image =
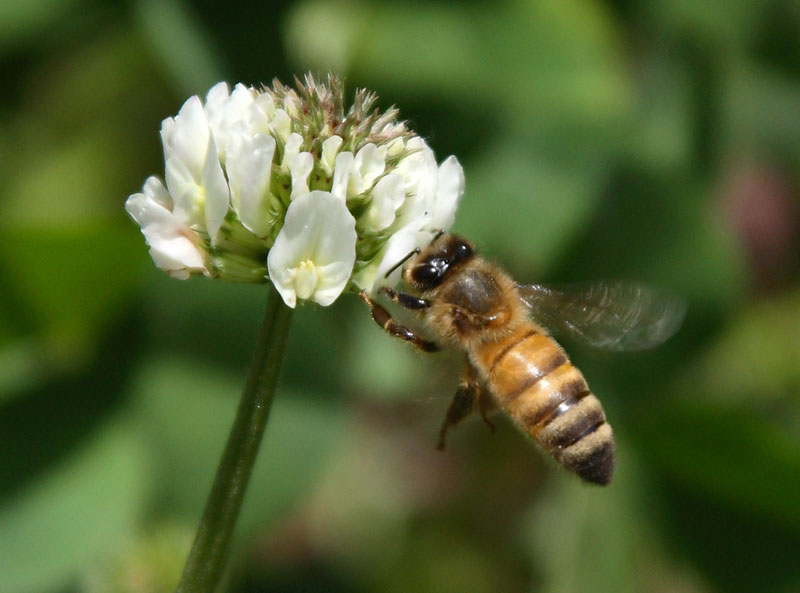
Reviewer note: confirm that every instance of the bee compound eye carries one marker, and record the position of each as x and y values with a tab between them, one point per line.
426	274
463	251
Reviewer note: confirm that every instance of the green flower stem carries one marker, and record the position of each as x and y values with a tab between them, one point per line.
209	552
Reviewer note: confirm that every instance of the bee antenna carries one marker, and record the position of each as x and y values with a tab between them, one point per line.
402	261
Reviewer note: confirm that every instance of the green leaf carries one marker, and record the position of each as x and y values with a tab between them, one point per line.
761	110
186	410
384	368
69	255
652	229
660	132
729	454
725	23
64	286
528	204
21	20
182	44
72	514
586	538
560	59
755	359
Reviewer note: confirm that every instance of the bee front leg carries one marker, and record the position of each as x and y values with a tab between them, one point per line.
393	327
409	301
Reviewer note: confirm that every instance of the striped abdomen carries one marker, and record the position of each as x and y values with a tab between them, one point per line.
548	398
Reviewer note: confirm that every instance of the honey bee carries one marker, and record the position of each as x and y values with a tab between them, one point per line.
512	362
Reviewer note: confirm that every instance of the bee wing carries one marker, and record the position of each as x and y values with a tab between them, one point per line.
612	315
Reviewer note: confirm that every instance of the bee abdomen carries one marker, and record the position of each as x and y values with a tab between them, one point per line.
570	423
593	457
549	399
581	439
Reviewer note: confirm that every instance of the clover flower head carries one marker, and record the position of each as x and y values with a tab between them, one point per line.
285	185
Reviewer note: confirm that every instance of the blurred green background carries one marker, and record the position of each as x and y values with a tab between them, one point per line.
657	140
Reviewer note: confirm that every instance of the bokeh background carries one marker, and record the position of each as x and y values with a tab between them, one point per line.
649	139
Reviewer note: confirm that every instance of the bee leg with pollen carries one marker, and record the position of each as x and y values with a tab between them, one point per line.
391	326
470	394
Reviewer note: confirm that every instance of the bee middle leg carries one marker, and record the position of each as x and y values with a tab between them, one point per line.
471	394
393	327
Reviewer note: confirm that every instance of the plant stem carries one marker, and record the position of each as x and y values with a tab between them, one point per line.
209	552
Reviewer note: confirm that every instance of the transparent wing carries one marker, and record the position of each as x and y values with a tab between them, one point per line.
612	315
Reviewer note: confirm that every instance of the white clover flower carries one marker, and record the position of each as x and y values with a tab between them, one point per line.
286	185
313	256
249	168
173	245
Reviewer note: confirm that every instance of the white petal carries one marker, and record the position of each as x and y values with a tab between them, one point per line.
333	278
290	104
306	279
257	120
370	165
387	195
249	166
450	188
230	113
179	274
216	98
167	132
217	95
330	148
171	242
290	151
146	211
300	167
241	99
395	147
154	189
282	276
186	193
281	124
420	172
265	107
318	230
400	244
216	189
337	241
176	255
342	169
186	136
398	247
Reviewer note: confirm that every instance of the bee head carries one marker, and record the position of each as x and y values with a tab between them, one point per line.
432	265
